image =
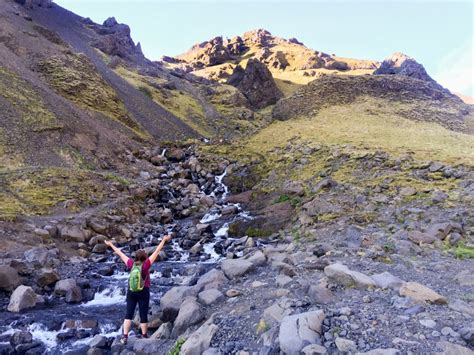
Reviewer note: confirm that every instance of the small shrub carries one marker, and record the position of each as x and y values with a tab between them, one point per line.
146	91
175	350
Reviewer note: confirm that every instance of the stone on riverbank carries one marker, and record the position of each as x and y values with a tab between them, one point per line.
421	293
9	278
341	274
22	298
299	330
234	268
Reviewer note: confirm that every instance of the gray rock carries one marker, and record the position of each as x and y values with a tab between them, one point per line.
172	300
234	268
163	332
64	286
420	237
148	346
299	330
9	278
341	274
200	340
277	311
320	294
214	277
74	295
73	233
428	323
210	296
387	280
283	280
345	345
21	337
47	277
314	349
190	313
99	341
22	298
257	259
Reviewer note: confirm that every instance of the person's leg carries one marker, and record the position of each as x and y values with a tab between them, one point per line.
131	305
143	305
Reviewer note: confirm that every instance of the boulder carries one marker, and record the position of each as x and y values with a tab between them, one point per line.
99	248
345	345
73	234
210	296
74	295
147	346
257	258
190	313
64	286
277	311
46	277
214	277
256	83
387	280
234	268
40	256
9	278
22	298
320	294
200	340
421	293
299	330
172	300
420	237
341	274
21	337
99	341
163	332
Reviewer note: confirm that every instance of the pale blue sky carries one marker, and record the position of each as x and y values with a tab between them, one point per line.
437	34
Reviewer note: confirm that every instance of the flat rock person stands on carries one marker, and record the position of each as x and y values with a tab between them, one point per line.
138	285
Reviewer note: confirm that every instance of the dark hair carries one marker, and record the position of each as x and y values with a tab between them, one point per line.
141	256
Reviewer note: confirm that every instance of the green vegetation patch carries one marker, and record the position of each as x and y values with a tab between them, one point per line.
27	102
38	192
178	102
175	350
75	77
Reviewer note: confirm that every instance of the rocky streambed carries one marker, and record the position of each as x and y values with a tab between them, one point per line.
350	290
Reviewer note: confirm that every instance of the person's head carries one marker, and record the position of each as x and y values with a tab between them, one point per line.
140	256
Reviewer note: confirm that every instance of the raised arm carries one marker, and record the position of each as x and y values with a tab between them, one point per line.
117	251
158	249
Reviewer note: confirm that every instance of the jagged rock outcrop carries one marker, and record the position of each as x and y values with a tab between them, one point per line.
401	64
115	39
256	83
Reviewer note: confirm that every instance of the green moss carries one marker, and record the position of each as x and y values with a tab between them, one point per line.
77	159
75	77
176	349
38	192
180	103
281	198
121	180
27	102
257	232
462	251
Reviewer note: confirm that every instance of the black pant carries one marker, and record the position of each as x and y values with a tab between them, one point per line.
143	299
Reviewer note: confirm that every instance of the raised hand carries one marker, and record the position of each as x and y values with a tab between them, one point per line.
108	243
167	238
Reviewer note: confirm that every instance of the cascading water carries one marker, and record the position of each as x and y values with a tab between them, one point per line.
106	304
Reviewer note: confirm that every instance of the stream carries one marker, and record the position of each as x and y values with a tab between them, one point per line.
102	312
